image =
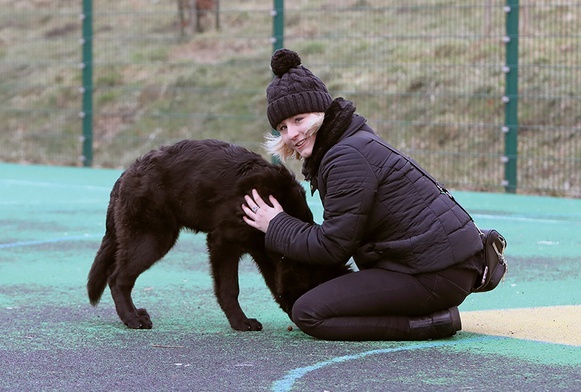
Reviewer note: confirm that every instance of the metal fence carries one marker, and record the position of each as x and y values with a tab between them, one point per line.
483	93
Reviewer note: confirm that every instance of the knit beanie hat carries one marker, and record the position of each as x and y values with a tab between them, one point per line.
294	89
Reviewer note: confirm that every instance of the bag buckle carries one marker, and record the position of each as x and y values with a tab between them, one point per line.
484	276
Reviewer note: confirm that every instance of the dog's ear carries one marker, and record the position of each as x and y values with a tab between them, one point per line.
246	168
291	195
259	177
280	182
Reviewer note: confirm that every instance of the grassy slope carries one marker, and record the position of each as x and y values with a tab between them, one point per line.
428	78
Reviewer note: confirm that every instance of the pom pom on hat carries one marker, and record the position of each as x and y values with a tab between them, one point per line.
283	60
294	89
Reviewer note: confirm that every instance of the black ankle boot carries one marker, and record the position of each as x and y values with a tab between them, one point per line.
437	325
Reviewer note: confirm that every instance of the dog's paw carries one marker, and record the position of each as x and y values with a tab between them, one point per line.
254	325
248	325
142	321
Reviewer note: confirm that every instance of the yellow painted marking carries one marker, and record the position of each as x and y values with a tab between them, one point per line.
555	324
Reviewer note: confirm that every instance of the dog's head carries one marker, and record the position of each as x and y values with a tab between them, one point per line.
293	197
293	279
278	181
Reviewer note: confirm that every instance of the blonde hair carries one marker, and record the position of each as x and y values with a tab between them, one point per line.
276	146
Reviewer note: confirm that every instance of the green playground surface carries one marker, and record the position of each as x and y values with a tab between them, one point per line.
523	336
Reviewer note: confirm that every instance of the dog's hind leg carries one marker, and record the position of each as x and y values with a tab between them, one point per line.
134	257
224	259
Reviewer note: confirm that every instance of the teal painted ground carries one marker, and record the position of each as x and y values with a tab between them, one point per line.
51	223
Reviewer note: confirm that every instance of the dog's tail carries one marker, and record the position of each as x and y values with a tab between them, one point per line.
105	258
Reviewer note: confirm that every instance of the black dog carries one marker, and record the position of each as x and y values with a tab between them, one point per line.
199	185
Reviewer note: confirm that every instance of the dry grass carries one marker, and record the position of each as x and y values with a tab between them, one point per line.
426	74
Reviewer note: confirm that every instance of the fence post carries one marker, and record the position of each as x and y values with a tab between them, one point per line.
277	41
87	78
510	98
278	25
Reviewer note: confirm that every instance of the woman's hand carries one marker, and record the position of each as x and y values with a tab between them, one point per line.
258	212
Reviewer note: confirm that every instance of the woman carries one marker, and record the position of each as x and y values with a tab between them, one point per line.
418	252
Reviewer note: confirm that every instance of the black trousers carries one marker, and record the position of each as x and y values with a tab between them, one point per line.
376	304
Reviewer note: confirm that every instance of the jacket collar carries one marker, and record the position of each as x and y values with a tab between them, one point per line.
340	121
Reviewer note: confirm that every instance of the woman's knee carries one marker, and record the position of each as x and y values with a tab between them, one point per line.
304	315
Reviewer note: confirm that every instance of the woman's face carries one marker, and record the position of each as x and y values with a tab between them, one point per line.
297	132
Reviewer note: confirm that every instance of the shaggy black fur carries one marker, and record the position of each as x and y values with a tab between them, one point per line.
199	185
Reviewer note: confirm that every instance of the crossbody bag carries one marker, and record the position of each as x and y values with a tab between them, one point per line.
494	243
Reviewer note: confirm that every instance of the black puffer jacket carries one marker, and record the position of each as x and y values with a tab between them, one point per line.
378	208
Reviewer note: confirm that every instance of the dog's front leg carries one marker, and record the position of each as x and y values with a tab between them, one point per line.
224	259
